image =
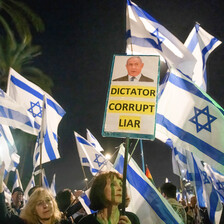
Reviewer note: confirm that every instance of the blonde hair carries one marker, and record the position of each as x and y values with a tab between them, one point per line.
28	213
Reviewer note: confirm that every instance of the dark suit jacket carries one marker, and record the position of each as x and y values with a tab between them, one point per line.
142	79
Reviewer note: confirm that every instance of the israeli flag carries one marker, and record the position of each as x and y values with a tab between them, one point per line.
84	200
15	115
146	201
45	183
31	97
93	141
201	180
30	185
8	151
217	180
147	36
200	43
52	187
17	181
8	194
90	157
191	119
207	196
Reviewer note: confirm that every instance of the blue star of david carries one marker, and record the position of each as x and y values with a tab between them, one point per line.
159	38
2	93
38	108
96	160
195	120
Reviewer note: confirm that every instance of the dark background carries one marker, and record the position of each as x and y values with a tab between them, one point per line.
77	49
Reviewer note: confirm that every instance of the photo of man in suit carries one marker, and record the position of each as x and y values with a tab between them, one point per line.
134	67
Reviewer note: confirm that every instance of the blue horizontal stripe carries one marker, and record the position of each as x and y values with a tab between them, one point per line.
197	181
147	192
17	116
191	88
94	170
185	136
181	157
207	48
83	141
144	42
48	147
85	160
140	12
193	43
35	93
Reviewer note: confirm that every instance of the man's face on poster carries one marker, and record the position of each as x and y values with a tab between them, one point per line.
134	66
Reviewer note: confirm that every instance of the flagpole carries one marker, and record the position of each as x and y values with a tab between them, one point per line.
127	145
84	174
142	154
42	137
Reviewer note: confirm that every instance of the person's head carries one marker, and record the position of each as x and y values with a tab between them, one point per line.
41	206
168	190
134	66
32	190
106	190
193	201
17	196
64	199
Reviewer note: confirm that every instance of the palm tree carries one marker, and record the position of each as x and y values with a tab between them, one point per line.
19	56
22	18
17	51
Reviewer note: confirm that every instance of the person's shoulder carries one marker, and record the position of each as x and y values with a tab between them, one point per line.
144	78
133	217
88	219
123	78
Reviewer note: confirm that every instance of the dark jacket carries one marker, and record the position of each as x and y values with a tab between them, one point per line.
142	79
93	220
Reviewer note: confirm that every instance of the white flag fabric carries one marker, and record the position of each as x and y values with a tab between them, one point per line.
30	185
191	119
48	146
30	96
89	156
8	151
217	179
93	141
8	194
52	187
147	36
207	196
17	181
15	115
146	201
45	183
200	43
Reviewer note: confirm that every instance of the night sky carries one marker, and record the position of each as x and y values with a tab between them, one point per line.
77	49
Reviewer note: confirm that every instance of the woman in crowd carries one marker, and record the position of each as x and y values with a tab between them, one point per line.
41	207
105	198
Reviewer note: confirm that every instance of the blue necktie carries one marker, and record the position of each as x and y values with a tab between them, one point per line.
132	78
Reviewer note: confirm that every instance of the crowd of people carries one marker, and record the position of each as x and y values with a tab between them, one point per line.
43	208
105	199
